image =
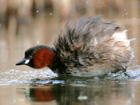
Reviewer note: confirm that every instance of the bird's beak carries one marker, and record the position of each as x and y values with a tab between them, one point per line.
24	61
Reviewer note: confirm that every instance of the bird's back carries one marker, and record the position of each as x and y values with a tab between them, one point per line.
91	45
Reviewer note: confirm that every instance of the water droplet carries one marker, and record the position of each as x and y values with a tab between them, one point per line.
134	18
50	13
126	13
87	2
125	9
37	11
0	25
82	98
38	42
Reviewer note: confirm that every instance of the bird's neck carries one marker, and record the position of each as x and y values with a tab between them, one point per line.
44	58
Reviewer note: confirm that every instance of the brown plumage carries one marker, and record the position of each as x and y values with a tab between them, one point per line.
90	46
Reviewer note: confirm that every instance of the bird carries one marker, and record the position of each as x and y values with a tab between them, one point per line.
88	46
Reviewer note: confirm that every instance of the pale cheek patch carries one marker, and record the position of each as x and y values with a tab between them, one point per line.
27	61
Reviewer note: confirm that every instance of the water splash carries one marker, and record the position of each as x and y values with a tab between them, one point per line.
134	72
28	76
43	76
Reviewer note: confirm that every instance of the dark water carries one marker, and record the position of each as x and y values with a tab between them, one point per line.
35	87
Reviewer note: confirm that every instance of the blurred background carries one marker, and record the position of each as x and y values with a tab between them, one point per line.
26	23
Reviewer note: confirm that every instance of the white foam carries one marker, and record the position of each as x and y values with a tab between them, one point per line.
25	76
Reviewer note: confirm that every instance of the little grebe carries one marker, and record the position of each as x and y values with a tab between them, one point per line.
86	47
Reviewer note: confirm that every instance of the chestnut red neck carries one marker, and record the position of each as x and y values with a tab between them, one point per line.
43	58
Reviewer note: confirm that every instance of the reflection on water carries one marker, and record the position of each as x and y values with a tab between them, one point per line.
124	92
36	87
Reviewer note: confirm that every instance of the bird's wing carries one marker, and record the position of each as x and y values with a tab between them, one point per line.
84	40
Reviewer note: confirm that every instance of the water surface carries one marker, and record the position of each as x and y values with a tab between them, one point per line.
43	87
